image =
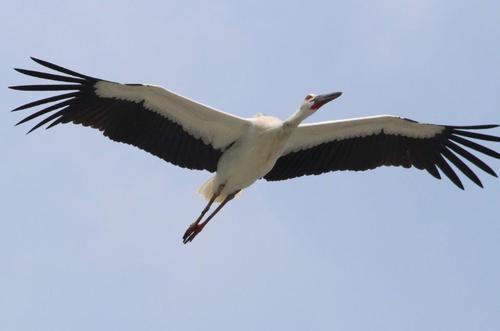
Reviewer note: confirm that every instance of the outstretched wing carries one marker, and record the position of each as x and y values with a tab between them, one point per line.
367	143
172	127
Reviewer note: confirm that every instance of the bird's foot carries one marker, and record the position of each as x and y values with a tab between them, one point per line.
192	232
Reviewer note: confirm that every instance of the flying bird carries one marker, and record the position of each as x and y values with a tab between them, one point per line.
242	150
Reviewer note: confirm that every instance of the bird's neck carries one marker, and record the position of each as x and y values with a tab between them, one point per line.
297	118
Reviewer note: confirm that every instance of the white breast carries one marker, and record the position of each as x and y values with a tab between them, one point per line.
253	155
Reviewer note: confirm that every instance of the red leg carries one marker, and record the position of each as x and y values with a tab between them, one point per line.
196	227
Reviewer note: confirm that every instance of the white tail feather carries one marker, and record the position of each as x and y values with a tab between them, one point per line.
208	189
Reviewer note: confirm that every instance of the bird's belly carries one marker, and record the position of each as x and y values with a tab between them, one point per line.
243	165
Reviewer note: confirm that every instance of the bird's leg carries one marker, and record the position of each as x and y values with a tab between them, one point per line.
194	229
207	207
219	207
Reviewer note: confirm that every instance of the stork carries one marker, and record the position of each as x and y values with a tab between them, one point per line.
242	150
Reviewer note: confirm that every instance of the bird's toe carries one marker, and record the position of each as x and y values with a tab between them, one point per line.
192	232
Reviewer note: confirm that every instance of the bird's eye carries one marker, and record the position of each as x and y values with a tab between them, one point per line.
309	97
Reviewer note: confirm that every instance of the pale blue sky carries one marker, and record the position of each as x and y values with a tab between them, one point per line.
90	230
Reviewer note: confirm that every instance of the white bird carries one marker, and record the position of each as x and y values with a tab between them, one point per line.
243	150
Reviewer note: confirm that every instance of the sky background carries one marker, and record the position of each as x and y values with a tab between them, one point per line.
90	230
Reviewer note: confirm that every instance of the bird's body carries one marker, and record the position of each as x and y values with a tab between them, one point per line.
249	158
242	150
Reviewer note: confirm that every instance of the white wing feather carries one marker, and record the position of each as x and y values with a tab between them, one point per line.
310	135
212	126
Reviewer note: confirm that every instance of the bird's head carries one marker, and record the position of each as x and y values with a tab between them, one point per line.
313	102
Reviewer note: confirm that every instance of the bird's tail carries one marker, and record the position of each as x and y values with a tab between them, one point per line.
208	189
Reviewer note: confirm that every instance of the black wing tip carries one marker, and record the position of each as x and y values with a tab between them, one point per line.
24	120
474	135
36	126
31	130
37	60
61	69
478	183
473	127
48	87
459	138
19	108
41	62
457	182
